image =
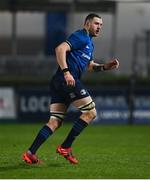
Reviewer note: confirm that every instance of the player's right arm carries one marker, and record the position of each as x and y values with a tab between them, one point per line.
61	51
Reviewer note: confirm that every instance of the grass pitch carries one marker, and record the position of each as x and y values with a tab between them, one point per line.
103	152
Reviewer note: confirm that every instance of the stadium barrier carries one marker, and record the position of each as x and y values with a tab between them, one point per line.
31	104
112	105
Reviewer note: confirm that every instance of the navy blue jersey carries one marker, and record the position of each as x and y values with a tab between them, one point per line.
77	60
80	55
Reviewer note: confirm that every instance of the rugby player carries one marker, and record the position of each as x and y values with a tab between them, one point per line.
74	56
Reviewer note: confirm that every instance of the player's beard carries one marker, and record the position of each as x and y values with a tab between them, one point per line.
94	33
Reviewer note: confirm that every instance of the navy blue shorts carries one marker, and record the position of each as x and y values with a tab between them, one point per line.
61	93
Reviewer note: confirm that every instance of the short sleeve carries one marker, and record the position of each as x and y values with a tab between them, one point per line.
76	42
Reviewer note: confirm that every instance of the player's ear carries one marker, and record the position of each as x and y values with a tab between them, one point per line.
87	23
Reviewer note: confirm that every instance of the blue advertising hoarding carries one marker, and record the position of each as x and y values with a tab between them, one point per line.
33	105
111	103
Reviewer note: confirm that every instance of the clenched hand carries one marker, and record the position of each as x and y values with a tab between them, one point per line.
112	64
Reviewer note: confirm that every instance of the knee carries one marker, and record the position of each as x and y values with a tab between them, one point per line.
89	116
54	124
56	119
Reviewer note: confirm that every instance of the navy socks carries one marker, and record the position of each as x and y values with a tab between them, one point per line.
75	131
43	134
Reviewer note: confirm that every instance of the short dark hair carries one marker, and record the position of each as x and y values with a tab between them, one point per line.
91	16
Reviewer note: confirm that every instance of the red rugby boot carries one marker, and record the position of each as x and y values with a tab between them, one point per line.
31	158
67	153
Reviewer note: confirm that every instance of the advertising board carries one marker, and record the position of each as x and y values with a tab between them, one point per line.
112	106
33	105
7	104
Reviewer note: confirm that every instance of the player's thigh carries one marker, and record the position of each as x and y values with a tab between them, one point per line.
87	107
58	111
80	102
58	107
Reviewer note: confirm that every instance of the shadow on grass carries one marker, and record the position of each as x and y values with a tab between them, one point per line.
22	165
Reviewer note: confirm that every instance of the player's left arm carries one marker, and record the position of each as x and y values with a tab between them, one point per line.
96	67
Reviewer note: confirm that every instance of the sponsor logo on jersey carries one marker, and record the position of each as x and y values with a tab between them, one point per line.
83	92
86	56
